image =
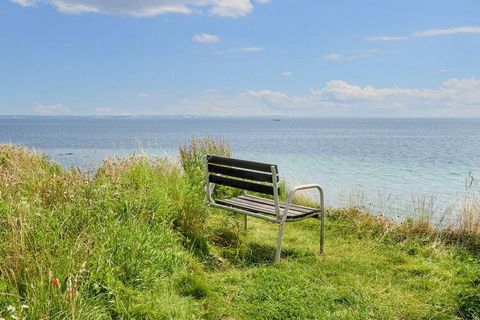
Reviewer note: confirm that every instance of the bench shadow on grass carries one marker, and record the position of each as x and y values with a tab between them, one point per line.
253	254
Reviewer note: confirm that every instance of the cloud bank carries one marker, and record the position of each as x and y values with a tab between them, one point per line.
148	8
51	110
455	97
337	98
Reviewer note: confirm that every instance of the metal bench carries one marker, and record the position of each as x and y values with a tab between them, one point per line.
260	178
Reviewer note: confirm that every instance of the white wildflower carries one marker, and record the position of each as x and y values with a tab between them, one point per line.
24	306
11	309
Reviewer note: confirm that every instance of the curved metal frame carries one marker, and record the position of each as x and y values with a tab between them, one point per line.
283	219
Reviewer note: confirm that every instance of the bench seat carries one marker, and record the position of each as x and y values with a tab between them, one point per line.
259	178
267	207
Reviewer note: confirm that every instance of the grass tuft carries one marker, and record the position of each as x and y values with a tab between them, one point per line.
191	285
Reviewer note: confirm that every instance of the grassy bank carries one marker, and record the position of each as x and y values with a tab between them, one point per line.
135	240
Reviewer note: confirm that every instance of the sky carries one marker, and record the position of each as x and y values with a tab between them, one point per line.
294	58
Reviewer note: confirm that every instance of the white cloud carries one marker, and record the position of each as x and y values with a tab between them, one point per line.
51	110
387	38
444	32
361	54
143	95
263	1
24	3
75	8
268	94
248	49
333	56
147	8
279	100
286	73
242	50
338	90
429	33
213	103
206	38
232	8
458	97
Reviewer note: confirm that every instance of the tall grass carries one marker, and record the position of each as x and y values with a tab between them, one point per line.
86	247
130	241
192	156
457	222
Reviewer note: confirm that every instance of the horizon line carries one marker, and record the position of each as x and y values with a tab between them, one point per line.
283	117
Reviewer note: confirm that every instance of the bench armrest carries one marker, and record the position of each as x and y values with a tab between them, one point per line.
292	192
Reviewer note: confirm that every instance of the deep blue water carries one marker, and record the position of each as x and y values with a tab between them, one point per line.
393	158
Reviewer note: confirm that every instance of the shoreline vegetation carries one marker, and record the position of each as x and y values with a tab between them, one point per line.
136	240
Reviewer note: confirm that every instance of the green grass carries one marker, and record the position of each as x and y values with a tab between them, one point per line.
359	276
137	241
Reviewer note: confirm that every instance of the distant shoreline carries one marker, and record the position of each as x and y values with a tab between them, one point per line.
140	116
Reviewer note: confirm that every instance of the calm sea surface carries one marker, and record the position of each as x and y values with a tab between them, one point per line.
398	159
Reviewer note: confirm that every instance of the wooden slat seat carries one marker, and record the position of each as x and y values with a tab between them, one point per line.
267	207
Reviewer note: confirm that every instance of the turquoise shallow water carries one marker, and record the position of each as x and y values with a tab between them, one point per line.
389	161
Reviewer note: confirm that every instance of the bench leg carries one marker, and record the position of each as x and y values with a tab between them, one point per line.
322	231
245	222
279	241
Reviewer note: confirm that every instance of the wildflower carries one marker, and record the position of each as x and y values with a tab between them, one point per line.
14	317
11	309
2	318
24	306
55	282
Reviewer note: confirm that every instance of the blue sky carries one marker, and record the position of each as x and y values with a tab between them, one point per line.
240	57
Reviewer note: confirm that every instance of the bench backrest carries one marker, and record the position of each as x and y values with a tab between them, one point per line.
241	174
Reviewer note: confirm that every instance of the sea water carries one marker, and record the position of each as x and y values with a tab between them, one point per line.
388	161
